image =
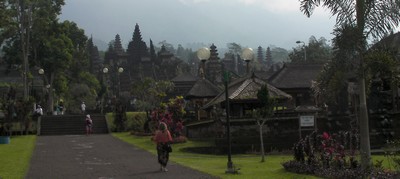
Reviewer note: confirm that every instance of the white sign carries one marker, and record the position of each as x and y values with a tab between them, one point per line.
306	121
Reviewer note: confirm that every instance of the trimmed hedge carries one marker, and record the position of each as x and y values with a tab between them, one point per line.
135	121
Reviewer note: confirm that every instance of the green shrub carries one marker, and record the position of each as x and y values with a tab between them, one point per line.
77	94
110	121
136	121
392	153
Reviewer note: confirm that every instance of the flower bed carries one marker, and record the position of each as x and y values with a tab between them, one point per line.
332	156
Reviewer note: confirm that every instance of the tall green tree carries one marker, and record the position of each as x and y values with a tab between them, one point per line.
236	49
370	19
7	23
149	93
168	46
330	86
262	114
33	27
110	53
23	22
317	51
153	55
94	57
279	54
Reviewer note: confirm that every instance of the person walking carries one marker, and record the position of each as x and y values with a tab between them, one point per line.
38	111
83	107
89	125
163	139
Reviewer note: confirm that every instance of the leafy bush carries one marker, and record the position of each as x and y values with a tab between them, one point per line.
392	153
299	167
120	116
136	122
171	114
78	93
332	156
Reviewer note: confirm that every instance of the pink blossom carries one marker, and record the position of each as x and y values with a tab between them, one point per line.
325	136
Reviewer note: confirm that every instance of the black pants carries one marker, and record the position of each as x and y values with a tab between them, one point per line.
163	155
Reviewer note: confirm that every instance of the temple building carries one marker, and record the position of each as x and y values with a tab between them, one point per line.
214	68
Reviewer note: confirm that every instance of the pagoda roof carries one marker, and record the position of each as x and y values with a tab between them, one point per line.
264	75
203	88
185	77
244	89
295	75
390	42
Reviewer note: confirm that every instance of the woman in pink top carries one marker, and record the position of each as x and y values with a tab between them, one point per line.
89	124
163	139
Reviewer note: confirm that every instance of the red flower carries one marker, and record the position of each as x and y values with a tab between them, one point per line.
325	136
179	126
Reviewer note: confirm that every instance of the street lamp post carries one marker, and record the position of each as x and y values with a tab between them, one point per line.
41	73
49	93
304	48
247	56
230	168
105	71
115	82
120	70
203	54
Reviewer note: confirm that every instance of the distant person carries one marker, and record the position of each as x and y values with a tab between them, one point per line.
36	116
89	125
38	112
83	107
56	110
163	139
61	107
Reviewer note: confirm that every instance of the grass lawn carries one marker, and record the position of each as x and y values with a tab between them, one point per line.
15	157
250	165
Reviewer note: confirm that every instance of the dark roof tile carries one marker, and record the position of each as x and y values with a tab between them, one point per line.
203	88
296	76
246	89
184	78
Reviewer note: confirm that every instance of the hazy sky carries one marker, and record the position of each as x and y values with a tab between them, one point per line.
250	23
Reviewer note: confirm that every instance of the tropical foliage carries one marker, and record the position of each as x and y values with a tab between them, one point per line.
317	51
332	156
367	19
33	27
149	93
263	113
172	114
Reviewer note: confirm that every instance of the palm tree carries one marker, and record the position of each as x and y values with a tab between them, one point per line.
370	18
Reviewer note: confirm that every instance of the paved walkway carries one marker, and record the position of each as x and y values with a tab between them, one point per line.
98	156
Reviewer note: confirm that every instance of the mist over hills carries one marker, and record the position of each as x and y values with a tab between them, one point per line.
101	44
189	22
